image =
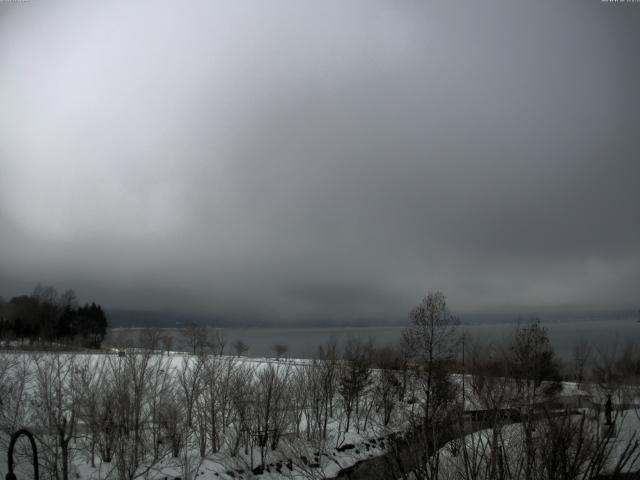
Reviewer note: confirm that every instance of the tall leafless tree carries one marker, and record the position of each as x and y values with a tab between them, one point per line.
431	341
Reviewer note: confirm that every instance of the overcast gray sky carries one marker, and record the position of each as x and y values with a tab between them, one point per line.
330	159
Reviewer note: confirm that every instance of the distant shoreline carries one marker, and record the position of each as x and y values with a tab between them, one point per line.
332	326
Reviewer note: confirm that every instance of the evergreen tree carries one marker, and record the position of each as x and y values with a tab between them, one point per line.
47	316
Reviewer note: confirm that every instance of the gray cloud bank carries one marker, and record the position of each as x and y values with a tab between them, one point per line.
302	160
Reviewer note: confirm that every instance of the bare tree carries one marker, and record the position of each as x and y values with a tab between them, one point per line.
57	397
280	350
242	409
582	354
16	374
240	347
196	336
150	338
329	363
299	397
535	440
91	374
218	378
209	400
532	362
159	389
390	380
272	405
167	342
171	417
354	378
315	405
431	341
130	376
189	381
217	342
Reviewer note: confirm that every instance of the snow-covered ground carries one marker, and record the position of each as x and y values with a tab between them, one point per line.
297	457
511	439
294	457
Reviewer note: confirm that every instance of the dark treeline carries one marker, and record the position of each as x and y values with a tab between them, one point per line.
47	316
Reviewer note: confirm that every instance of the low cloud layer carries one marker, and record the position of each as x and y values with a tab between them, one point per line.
307	160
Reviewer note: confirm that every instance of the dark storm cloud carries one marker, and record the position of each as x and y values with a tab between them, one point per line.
323	159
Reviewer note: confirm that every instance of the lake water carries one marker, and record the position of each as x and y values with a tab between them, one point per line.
303	342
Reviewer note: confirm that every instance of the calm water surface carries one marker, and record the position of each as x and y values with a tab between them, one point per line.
303	342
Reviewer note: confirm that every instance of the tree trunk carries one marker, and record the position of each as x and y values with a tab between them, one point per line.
64	445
